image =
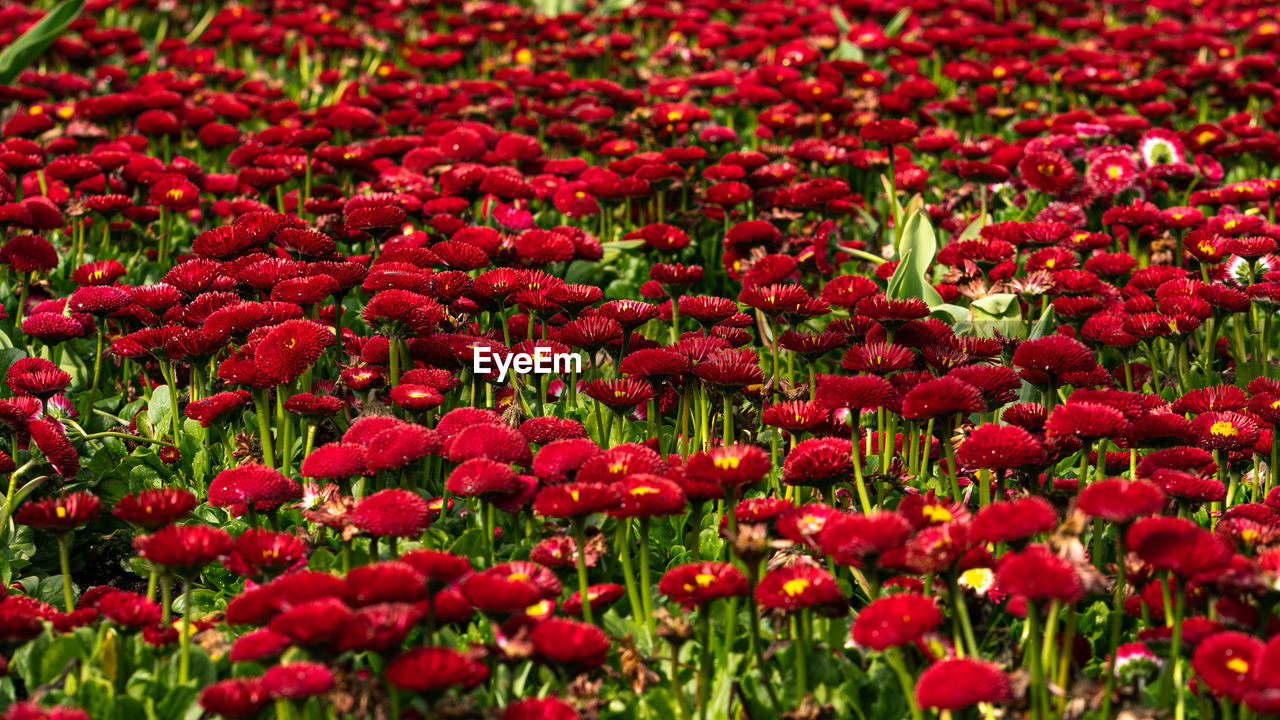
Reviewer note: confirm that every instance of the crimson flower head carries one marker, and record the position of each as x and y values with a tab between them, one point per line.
100	300
430	670
619	394
1121	501
1225	430
1227	662
1045	360
889	131
1000	447
856	392
238	698
60	514
958	683
482	477
570	642
184	549
895	620
252	486
52	441
734	466
576	499
697	584
1038	574
799	586
298	680
36	377
262	554
153	509
393	512
290	348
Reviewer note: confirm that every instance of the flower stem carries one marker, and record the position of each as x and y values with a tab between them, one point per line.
64	561
184	661
580	539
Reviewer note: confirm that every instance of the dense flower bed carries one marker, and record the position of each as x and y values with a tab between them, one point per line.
924	360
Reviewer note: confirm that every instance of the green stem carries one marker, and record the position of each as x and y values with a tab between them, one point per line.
64	562
580	539
184	662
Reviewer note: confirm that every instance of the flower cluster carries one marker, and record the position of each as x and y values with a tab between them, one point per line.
927	360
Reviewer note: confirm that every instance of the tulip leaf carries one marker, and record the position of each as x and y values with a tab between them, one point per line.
1000	312
912	277
973	230
23	51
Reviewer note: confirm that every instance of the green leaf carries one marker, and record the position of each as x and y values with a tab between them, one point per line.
471	544
846	50
972	231
19	55
160	409
61	652
1000	312
9	356
710	544
98	697
912	277
894	26
622	244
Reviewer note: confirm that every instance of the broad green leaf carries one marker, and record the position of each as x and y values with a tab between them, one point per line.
160	409
972	231
912	277
846	50
19	55
1000	312
950	313
98	697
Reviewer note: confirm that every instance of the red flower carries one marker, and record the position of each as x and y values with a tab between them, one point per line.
434	669
61	514
392	513
481	477
1047	172
297	680
569	642
575	499
548	708
889	131
260	554
252	486
957	683
733	466
1013	521
697	584
153	509
646	495
184	548
335	461
800	586
1000	447
36	377
895	620
1038	574
1225	661
290	348
237	698
132	610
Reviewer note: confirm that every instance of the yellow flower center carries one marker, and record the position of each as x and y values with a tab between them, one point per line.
518	576
728	462
794	587
1223	428
937	513
1238	666
644	490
